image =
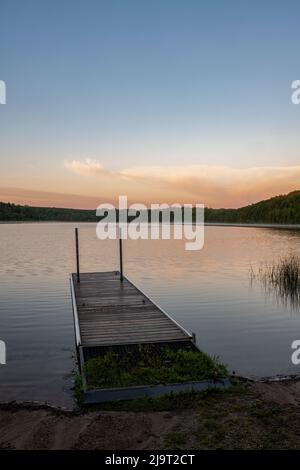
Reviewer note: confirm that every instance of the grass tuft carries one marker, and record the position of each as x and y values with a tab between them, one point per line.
113	370
281	277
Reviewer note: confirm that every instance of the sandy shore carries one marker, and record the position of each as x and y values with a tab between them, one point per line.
258	415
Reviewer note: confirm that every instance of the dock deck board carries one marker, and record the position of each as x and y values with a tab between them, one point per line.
111	312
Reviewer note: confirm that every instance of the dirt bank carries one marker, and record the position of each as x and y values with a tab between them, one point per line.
259	415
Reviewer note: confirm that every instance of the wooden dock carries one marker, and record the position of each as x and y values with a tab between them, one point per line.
112	314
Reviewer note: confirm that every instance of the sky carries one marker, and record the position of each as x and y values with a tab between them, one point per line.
162	100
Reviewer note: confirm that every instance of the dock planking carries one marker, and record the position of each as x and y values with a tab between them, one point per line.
111	312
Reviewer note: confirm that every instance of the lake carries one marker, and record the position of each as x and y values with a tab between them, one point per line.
208	292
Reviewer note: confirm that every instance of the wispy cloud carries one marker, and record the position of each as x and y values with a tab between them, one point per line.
85	167
214	185
50	198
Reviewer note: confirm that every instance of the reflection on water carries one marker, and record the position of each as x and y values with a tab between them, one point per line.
207	291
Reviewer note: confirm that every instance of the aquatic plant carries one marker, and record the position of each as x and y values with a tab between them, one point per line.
281	277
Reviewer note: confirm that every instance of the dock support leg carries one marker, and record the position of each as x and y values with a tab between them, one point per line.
77	254
121	255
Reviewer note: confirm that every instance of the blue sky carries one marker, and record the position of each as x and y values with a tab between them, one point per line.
130	84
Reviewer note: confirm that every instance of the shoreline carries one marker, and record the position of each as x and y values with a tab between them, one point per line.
206	224
35	404
249	416
252	225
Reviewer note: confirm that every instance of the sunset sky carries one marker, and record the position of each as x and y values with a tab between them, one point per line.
161	100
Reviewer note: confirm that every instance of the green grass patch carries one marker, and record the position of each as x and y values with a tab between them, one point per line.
148	367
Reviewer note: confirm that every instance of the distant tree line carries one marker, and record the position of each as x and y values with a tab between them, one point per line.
14	212
277	210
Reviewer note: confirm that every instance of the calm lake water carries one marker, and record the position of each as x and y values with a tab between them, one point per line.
207	291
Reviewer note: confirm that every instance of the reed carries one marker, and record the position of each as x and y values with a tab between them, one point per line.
281	277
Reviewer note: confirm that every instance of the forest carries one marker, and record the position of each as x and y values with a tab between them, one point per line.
283	209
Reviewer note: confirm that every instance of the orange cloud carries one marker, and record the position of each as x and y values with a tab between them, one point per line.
215	186
50	199
87	183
